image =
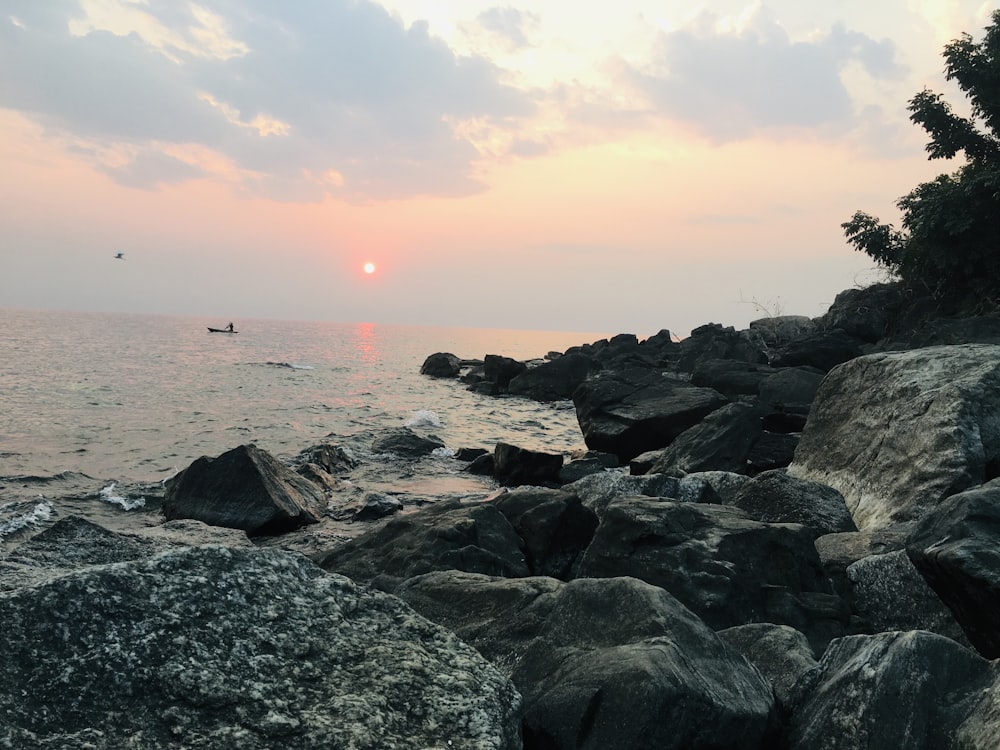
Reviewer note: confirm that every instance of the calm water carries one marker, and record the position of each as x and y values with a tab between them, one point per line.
136	398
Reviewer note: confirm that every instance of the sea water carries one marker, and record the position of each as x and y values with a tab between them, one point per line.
94	405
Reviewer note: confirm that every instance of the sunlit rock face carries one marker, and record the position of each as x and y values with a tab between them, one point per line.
898	432
216	647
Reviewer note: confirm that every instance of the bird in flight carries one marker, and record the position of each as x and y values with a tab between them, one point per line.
119	256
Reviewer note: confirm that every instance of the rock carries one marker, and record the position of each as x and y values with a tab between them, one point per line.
956	548
596	491
482	466
722	441
729	377
333	459
901	689
555	526
791	389
375	506
499	371
441	365
579	468
981	329
216	648
406	443
470	454
513	466
838	551
727	568
866	313
781	653
772	450
776	497
449	535
724	484
636	410
553	380
713	341
898	432
780	329
823	350
244	488
887	593
611	663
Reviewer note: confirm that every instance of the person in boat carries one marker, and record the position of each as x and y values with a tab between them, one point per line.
230	326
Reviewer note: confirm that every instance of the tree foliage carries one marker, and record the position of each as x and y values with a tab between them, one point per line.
949	244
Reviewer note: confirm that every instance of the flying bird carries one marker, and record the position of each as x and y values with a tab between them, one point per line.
119	256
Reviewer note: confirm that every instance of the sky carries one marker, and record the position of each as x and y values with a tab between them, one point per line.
635	166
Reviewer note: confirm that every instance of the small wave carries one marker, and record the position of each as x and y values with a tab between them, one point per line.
126	503
20	514
443	452
288	365
423	418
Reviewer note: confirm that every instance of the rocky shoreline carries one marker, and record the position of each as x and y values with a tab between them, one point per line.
782	537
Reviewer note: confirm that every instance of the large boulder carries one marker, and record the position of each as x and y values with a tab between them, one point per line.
631	411
823	350
449	535
957	550
898	432
598	490
612	663
210	648
441	365
730	377
245	488
867	313
781	653
713	341
404	442
554	379
727	568
905	689
513	466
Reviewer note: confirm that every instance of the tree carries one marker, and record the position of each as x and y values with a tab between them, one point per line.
949	244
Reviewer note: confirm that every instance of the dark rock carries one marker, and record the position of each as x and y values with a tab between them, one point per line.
499	371
781	653
333	459
901	689
579	468
838	551
887	593
727	568
375	506
449	535
729	377
956	548
556	528
514	466
597	490
722	441
553	380
772	450
780	329
981	329
785	422
442	365
896	433
406	443
470	454
866	313
602	664
245	488
776	497
216	648
712	341
791	388
635	410
482	466
823	350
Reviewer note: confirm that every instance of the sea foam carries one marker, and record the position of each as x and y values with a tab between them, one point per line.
423	418
126	503
20	514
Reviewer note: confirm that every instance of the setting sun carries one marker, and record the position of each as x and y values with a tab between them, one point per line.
369	267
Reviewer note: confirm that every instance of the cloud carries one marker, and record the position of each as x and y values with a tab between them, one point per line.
737	81
509	24
283	91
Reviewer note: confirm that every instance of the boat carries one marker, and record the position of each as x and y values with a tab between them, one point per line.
221	330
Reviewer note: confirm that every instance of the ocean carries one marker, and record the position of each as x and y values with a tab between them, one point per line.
97	410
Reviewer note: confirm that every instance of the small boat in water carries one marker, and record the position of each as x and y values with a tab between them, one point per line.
221	330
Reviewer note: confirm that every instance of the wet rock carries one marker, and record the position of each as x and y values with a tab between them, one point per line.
406	443
514	466
214	648
553	380
245	488
441	365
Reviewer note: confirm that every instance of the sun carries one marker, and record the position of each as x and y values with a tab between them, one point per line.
369	267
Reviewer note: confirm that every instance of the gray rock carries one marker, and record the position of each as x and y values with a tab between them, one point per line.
449	535
776	497
245	488
957	550
838	551
441	365
791	387
514	466
780	329
887	593
908	689
729	377
406	443
579	468
612	663
781	653
215	648
727	568
628	412
897	433
823	350
597	490
722	441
